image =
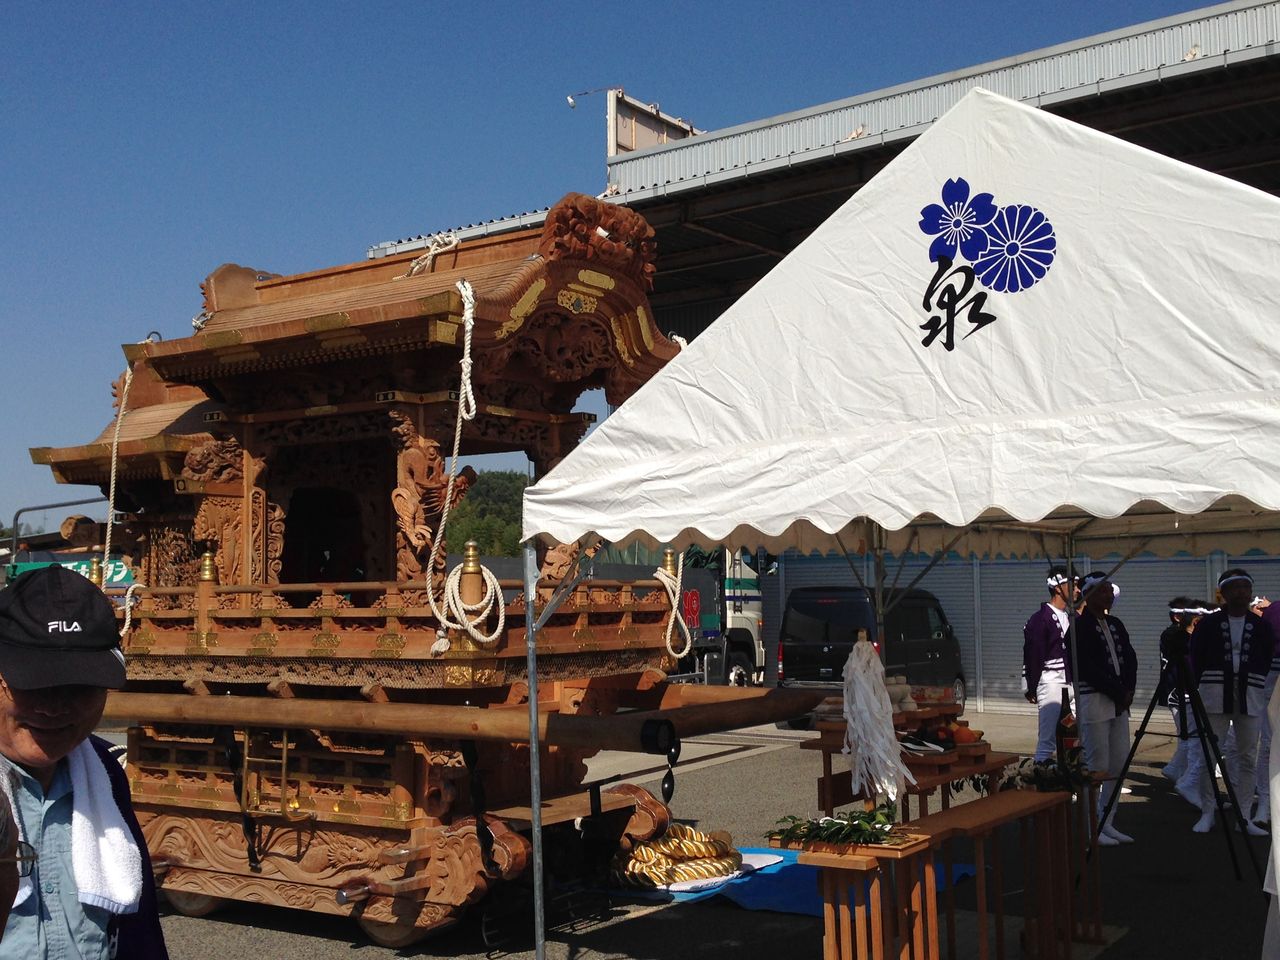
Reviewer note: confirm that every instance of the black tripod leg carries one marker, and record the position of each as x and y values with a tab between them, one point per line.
1212	755
1124	771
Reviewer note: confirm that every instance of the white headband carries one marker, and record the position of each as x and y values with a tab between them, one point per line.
1056	581
1193	611
1239	576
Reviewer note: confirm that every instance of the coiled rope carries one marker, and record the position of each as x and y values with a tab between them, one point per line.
437	244
674	588
468	616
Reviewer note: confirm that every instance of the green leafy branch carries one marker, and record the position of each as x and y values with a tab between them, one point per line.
851	826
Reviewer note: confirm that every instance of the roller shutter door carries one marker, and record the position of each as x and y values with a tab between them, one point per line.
1008	593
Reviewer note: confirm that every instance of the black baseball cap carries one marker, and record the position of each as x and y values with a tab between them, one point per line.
57	628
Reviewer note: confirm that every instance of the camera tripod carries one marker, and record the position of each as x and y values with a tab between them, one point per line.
1176	677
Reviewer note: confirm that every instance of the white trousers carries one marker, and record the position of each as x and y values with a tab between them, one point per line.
1271	937
1242	764
1106	745
1048	706
1264	751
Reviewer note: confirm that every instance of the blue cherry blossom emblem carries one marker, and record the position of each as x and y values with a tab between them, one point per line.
1020	249
958	222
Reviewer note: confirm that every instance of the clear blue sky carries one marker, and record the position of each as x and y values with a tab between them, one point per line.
144	144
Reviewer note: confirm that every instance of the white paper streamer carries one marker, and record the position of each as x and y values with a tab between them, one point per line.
875	758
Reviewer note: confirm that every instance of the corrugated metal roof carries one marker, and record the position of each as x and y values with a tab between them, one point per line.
1206	39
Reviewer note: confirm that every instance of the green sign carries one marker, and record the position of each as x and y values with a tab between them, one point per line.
115	573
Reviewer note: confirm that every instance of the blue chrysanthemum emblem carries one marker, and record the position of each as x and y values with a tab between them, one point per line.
1020	249
958	222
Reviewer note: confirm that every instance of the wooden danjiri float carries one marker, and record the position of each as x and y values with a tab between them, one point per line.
299	735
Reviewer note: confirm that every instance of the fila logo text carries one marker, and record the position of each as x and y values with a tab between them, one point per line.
62	626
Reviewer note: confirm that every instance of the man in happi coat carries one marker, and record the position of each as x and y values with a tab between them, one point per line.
1044	658
1106	673
1231	652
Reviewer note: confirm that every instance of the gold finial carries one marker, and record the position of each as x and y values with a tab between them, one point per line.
208	572
95	571
669	561
471	557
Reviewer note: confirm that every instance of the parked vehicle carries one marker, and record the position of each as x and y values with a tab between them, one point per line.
725	611
821	624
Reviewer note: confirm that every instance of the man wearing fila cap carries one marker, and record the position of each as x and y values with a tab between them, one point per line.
91	893
1231	651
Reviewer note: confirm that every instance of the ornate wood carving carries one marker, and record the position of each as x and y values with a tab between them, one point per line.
215	461
169	558
581	227
418	499
218	520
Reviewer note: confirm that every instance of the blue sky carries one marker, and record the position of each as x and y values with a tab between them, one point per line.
144	144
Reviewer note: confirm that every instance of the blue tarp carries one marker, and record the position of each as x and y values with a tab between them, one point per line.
785	887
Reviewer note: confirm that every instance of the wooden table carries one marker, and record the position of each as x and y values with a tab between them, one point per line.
894	900
836	790
1049	886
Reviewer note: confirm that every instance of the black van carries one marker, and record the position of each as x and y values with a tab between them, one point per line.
820	625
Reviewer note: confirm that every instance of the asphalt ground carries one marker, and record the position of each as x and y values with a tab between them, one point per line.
1172	894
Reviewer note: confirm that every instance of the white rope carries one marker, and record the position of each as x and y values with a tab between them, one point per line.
436	244
674	588
115	464
111	501
128	609
493	590
875	758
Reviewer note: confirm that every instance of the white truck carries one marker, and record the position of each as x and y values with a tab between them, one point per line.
724	609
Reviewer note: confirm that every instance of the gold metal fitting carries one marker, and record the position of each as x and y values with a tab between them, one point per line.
669	561
95	571
208	571
471	557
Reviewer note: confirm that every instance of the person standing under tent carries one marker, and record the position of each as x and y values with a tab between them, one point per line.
1270	613
1044	663
1105	670
1187	763
1231	653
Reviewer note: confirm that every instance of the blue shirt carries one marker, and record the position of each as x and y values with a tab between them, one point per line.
52	924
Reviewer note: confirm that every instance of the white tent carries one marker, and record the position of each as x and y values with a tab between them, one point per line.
1100	344
1022	332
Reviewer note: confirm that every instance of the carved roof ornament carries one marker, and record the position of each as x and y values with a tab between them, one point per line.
581	227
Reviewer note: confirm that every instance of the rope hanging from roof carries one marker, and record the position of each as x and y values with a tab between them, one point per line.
465	616
111	495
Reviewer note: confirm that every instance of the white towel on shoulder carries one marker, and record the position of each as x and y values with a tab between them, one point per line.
104	857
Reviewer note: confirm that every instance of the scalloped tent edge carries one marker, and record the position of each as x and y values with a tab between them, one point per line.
1133	380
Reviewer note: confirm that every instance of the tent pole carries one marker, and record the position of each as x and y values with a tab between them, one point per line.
535	767
1069	547
878	540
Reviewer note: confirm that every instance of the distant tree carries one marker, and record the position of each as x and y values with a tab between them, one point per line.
489	514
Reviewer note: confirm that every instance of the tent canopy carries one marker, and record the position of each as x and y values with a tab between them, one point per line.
1020	326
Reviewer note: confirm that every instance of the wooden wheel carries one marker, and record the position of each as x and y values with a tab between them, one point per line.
193	904
392	935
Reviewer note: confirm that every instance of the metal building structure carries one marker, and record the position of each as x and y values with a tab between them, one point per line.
728	205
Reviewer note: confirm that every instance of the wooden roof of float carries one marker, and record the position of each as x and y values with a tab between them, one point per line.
559	309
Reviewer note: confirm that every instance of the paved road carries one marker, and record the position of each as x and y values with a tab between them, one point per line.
1171	894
